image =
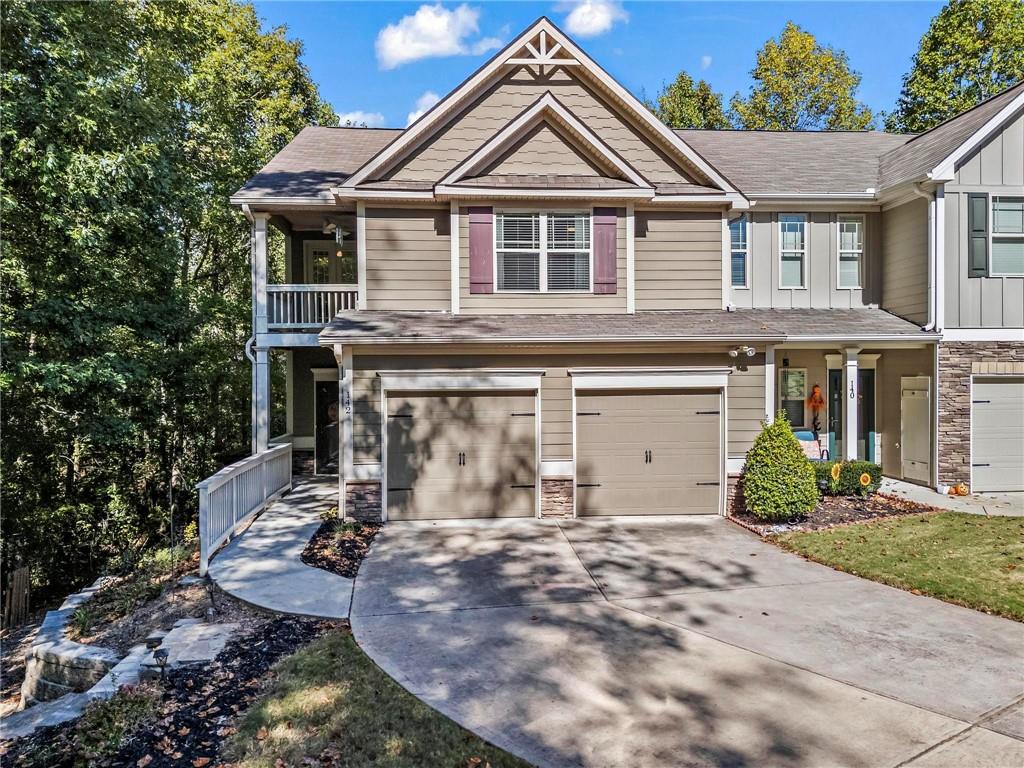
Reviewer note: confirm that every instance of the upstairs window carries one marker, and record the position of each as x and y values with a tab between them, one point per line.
851	251
543	251
792	250
1007	237
738	240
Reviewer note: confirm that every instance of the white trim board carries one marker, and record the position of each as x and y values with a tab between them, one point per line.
983	334
946	169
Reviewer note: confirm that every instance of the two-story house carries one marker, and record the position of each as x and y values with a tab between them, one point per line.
539	300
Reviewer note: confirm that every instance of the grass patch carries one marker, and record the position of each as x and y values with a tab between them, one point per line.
330	704
965	559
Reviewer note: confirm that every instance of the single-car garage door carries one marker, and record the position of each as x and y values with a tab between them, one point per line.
997	434
648	452
461	455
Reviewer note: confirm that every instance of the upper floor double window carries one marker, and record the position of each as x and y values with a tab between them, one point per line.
740	250
851	251
543	251
995	244
792	250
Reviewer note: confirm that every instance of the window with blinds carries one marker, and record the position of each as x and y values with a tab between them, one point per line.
542	251
851	251
738	242
792	249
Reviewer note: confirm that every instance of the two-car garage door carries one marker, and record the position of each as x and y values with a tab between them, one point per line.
474	455
648	452
997	426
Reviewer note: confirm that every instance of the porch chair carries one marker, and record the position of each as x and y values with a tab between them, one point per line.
811	445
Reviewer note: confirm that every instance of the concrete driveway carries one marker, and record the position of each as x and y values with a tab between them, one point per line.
681	642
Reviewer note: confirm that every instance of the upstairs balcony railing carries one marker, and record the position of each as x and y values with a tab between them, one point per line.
301	305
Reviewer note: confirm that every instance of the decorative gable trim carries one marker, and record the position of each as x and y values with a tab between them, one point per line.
946	170
546	108
556	49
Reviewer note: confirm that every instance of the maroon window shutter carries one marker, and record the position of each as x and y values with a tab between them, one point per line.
481	250
605	250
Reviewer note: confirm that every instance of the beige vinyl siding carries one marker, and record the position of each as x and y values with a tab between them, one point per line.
511	302
508	98
408	259
543	151
678	260
745	400
905	262
983	302
821	266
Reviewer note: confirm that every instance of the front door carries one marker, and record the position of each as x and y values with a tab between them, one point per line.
324	263
865	417
326	427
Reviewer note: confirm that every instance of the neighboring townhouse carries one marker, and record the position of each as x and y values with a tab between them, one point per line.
539	300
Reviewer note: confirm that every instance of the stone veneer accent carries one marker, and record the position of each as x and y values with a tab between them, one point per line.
556	497
363	501
957	362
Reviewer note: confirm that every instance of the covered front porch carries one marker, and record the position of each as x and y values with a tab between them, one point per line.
873	403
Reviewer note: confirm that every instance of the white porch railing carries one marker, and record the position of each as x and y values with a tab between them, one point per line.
234	495
301	305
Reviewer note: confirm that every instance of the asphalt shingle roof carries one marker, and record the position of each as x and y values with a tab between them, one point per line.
683	325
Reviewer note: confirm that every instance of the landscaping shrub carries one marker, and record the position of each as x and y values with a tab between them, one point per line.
778	480
852	478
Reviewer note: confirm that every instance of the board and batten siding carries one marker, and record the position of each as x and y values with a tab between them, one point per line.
510	96
983	302
905	260
408	259
552	302
821	289
745	401
678	260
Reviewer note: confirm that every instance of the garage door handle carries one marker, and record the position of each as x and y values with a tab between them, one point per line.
981	401
514	413
521	486
708	413
588	485
399	489
981	465
400	416
588	413
709	483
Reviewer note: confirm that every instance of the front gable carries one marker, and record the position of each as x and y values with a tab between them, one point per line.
542	62
544	147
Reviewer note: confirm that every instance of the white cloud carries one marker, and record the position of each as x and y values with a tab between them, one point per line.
590	18
433	31
360	118
705	61
423	103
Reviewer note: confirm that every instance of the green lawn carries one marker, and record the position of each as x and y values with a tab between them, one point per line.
330	703
964	559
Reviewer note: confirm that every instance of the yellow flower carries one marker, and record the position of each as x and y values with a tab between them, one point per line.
865	479
836	469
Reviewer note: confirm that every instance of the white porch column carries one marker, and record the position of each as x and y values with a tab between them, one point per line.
769	383
343	356
261	399
851	410
361	255
259	272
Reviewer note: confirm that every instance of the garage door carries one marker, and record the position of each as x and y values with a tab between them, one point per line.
648	452
461	455
997	434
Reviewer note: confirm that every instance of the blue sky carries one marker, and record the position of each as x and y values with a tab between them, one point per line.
380	61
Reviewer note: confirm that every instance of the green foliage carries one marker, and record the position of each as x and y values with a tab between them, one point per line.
778	480
82	620
801	85
685	104
191	533
850	476
124	128
973	50
105	724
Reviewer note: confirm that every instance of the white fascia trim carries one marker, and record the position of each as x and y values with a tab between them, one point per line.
830	196
529	192
562	469
547	105
708	378
443	108
327	339
738	203
983	334
366	473
350	193
866	340
946	170
441	380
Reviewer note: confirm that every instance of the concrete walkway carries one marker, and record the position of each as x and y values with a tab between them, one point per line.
683	642
989	504
263	565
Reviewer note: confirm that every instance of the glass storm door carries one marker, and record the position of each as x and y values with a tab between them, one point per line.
865	417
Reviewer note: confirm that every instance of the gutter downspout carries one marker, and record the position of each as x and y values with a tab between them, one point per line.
916	189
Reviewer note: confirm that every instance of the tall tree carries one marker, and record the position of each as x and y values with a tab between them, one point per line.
685	104
972	50
124	127
801	85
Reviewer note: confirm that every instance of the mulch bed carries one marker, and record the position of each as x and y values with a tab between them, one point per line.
340	547
837	510
198	708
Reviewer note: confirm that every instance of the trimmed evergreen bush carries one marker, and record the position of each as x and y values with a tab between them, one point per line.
849	479
778	480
